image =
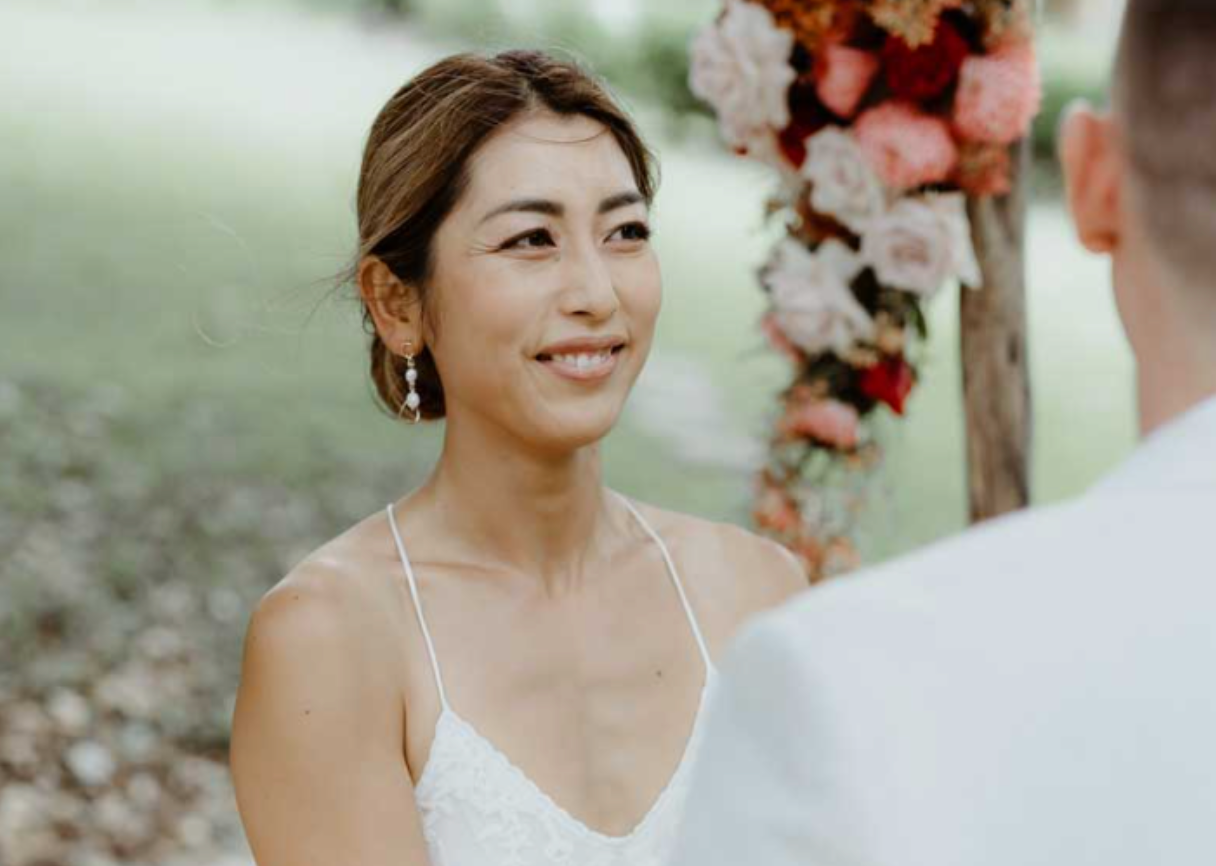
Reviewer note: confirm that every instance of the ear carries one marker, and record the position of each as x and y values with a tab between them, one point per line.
1093	174
394	306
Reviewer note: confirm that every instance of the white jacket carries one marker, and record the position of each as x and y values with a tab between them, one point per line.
1040	690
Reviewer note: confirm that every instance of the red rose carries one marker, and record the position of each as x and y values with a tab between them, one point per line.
920	74
890	382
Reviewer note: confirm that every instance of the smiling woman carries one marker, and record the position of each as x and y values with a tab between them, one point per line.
510	288
432	128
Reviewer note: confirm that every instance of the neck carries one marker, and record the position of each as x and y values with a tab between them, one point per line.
533	512
1174	381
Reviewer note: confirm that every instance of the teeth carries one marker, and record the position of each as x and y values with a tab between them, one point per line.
583	362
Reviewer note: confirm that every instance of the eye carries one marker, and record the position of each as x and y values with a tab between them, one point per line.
635	232
534	239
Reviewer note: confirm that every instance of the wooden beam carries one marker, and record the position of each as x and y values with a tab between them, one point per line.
996	372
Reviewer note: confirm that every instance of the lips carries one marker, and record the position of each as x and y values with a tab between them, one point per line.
582	346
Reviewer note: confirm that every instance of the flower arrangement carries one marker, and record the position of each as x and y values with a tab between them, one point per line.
881	117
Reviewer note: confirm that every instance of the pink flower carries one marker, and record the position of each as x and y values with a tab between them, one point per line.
778	340
998	95
843	76
829	422
774	509
907	147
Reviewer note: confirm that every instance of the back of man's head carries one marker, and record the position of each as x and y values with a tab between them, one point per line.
1142	189
1165	100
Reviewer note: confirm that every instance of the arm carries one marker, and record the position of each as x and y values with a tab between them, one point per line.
769	788
316	751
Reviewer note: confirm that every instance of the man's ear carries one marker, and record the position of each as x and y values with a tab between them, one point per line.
394	306
1093	175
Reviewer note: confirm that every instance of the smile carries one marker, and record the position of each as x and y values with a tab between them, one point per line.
583	366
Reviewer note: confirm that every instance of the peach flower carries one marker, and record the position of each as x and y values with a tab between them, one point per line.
843	76
998	95
829	422
778	340
774	509
907	147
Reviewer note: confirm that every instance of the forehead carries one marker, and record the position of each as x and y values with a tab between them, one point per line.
544	155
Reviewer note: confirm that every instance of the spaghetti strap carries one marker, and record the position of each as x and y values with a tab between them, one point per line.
675	579
413	584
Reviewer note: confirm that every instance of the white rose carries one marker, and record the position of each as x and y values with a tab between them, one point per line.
910	247
740	66
813	304
952	207
844	186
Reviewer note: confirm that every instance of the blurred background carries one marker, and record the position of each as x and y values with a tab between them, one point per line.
184	407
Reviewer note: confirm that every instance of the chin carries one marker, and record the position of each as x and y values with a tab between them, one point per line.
573	428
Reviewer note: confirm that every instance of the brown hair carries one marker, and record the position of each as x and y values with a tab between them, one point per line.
1164	91
415	168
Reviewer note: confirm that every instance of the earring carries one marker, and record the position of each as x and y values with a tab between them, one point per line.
412	400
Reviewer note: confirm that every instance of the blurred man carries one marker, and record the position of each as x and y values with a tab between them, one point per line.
1041	690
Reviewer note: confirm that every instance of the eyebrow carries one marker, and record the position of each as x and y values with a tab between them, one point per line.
552	208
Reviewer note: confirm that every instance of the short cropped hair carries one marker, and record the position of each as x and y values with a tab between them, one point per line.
1165	96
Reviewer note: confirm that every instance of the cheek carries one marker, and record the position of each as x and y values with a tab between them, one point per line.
639	285
484	321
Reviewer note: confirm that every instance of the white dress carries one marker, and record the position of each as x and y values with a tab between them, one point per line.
480	809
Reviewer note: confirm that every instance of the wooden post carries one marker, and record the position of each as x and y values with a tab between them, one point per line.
996	372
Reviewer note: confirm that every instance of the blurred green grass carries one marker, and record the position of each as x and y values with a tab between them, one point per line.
171	236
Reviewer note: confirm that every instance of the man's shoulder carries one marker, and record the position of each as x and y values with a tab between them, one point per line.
975	567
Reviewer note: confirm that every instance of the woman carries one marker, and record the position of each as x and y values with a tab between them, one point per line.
507	667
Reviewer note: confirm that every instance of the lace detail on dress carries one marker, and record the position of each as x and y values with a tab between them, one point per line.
480	809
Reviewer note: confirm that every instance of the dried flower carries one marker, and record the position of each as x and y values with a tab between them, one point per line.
913	21
1005	22
813	23
907	147
998	96
740	65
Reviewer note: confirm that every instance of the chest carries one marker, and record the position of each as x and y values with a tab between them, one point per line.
589	699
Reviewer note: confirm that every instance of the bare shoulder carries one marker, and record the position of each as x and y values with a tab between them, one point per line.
320	595
734	572
327	624
325	616
319	695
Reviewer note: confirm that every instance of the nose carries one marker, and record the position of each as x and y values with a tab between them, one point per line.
589	289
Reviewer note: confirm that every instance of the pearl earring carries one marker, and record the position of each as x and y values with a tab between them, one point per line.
412	400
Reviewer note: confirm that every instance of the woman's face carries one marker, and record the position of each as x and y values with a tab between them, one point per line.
546	288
